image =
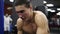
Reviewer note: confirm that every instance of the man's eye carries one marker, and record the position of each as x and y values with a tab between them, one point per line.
22	11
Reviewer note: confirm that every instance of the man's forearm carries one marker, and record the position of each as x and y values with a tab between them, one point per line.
19	32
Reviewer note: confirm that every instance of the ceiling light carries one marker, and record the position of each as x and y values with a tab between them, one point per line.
44	2
58	9
48	9
58	13
11	0
52	10
49	5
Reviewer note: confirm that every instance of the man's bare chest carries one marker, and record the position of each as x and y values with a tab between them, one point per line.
29	27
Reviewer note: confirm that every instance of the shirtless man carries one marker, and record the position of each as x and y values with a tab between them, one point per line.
29	21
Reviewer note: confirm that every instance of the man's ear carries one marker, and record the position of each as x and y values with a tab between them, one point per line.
31	6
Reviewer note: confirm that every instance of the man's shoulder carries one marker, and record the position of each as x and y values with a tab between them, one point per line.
40	19
39	13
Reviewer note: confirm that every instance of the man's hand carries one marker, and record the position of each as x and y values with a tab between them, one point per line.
19	25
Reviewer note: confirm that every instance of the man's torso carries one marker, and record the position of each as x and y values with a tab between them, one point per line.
30	27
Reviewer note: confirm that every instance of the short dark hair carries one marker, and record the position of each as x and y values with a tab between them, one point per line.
21	2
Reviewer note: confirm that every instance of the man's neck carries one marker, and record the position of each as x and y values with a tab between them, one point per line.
31	19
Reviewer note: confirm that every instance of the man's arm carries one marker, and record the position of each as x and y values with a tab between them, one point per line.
42	24
19	26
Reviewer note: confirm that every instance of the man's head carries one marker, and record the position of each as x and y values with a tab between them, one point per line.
6	15
23	9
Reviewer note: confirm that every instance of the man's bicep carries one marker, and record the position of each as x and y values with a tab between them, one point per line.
41	20
42	26
42	23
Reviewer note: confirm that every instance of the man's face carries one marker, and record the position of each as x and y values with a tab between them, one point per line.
22	11
6	15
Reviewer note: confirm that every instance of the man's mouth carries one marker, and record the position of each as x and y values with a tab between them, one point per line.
22	18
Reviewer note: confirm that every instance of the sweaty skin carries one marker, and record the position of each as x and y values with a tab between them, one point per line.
40	26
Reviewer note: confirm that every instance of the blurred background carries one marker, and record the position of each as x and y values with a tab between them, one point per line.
51	8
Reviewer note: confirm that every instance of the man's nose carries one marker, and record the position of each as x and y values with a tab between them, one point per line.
20	15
